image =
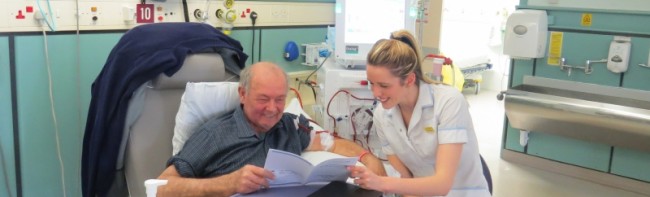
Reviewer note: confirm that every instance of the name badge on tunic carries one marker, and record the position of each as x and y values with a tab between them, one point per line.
429	130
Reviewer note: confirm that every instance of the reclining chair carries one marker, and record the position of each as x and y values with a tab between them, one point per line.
151	116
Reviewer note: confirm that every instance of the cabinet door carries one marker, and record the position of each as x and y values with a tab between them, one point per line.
7	159
70	81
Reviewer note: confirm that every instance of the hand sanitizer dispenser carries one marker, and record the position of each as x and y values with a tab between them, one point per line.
619	54
526	34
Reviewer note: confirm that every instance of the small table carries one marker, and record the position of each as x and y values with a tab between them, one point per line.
338	188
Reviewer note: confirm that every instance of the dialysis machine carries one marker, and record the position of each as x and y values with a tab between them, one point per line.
346	102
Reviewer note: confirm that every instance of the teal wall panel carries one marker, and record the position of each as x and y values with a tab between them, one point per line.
42	173
567	150
631	163
274	40
638	77
7	161
577	48
94	51
245	37
521	68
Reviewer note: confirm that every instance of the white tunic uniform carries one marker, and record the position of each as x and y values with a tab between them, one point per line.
440	116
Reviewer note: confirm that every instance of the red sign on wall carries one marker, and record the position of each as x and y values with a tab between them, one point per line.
145	13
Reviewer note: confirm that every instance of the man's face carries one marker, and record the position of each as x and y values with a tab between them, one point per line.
264	102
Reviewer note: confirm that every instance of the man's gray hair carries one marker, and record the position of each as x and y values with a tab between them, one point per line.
246	75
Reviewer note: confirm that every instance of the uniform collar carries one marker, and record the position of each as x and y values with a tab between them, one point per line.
244	128
425	100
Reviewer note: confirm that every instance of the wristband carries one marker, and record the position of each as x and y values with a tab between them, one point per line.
364	153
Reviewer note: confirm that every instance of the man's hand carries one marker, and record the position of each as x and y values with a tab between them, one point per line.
247	179
250	178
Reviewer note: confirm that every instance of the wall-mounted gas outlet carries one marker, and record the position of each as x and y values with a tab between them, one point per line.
648	64
648	59
619	54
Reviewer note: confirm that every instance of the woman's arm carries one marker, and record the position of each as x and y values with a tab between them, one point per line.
399	166
350	149
448	158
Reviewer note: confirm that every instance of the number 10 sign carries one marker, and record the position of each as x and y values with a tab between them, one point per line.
144	13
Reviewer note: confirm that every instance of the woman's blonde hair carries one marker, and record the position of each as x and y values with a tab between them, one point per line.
400	54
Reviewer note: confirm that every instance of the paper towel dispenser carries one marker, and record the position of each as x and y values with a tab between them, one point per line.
526	33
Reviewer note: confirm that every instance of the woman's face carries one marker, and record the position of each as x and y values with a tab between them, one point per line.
387	88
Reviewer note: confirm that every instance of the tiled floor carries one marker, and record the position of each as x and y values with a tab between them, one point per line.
514	180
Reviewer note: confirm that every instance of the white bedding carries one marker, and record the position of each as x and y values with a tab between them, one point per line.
469	61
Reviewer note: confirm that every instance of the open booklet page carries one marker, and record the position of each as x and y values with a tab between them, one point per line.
291	169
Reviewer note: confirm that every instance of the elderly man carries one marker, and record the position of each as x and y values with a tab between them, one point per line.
226	155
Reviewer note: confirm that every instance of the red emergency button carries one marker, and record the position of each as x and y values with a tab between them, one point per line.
160	18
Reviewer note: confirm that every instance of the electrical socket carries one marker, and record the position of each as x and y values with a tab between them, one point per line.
253	17
280	12
296	81
40	15
295	78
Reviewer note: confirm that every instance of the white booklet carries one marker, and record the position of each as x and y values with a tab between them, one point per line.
291	169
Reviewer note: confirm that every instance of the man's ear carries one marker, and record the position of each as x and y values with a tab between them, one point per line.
242	93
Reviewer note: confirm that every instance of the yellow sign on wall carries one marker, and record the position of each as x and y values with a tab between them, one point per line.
586	19
555	48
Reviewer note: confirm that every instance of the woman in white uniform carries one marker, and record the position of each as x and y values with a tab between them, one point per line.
425	127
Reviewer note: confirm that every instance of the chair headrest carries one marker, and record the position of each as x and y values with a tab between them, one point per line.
200	67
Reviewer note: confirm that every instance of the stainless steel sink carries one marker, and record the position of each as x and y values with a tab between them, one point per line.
609	115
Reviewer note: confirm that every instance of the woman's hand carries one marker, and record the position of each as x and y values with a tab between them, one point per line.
366	178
